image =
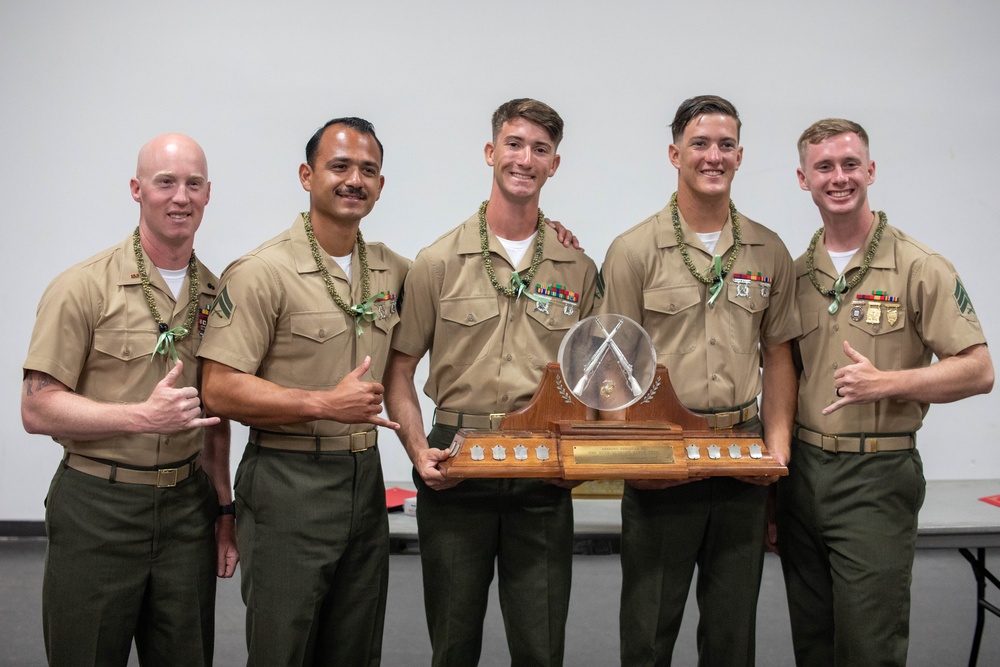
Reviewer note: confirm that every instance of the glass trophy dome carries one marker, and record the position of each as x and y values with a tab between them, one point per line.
607	361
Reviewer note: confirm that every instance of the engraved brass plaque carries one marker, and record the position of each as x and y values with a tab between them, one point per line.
623	454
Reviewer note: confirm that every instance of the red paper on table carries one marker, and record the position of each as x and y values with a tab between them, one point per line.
992	500
394	497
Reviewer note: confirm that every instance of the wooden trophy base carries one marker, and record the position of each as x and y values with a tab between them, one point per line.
659	438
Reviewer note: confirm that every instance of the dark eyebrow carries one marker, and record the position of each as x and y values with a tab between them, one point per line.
348	160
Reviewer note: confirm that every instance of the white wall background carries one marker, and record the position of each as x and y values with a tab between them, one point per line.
84	84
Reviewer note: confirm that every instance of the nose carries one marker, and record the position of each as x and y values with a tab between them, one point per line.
839	175
181	195
713	154
354	177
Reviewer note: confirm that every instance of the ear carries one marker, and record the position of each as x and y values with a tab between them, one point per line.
674	154
871	172
305	173
381	184
739	157
488	152
555	165
133	185
802	178
208	191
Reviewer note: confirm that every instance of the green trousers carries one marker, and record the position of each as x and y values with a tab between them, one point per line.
313	535
718	525
847	531
129	561
522	528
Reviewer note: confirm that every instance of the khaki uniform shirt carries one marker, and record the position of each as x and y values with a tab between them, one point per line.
95	334
488	351
933	314
275	319
712	352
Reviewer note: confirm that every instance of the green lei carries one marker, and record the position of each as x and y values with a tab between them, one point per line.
517	284
361	312
166	343
715	273
843	286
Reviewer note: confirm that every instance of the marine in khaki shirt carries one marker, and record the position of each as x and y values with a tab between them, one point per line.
488	351
490	330
296	350
276	321
721	319
138	512
712	351
847	512
93	335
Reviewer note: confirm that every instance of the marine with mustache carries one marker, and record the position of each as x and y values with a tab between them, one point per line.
296	349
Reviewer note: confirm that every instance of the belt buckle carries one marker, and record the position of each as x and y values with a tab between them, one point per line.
360	438
166	478
835	440
723	420
495	419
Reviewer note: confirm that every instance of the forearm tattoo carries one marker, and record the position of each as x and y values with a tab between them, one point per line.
36	381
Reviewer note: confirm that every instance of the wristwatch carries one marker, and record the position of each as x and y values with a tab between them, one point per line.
227	509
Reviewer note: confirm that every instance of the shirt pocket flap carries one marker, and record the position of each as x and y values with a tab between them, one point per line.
125	345
469	311
890	320
318	327
671	300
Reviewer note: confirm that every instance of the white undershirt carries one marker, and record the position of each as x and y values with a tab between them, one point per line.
174	279
517	249
709	240
841	259
344	263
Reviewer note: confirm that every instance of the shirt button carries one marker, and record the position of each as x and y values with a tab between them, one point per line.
504	398
509	357
671	308
322	333
714	377
751	303
712	342
712	306
835	365
126	352
470	318
836	327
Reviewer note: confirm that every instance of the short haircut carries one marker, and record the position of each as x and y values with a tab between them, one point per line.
824	129
531	110
353	122
699	106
